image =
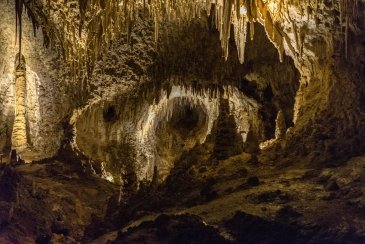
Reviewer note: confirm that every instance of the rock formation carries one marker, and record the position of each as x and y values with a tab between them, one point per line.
19	134
140	118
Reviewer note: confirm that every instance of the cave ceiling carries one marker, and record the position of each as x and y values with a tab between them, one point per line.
83	28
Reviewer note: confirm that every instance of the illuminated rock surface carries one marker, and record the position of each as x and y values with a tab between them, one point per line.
183	121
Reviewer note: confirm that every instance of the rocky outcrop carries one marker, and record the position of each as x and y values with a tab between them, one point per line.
45	201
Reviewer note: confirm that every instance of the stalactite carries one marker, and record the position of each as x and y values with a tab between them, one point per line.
18	16
346	28
252	30
349	14
240	30
102	20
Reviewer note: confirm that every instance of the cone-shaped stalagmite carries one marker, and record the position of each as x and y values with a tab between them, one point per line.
227	141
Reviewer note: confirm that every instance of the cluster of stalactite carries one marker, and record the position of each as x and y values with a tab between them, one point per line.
351	11
101	21
109	18
18	23
153	93
144	120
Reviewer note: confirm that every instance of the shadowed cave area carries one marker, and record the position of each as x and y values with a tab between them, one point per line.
186	119
181	133
182	121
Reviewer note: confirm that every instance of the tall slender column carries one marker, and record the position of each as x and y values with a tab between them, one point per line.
19	135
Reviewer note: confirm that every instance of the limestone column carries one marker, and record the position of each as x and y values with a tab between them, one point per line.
280	128
19	135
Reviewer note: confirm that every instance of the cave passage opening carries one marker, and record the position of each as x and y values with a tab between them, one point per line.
187	126
187	120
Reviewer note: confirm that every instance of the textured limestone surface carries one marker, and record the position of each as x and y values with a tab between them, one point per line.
137	86
307	32
117	126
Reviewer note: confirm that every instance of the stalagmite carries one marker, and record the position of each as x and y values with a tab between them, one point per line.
19	135
280	125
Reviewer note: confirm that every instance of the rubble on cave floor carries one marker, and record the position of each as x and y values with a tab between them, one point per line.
50	200
58	201
304	203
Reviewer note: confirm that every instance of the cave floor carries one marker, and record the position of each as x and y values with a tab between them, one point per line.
326	204
57	200
50	198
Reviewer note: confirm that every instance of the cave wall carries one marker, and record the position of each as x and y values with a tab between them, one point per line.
312	38
134	62
328	110
308	33
137	80
127	131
